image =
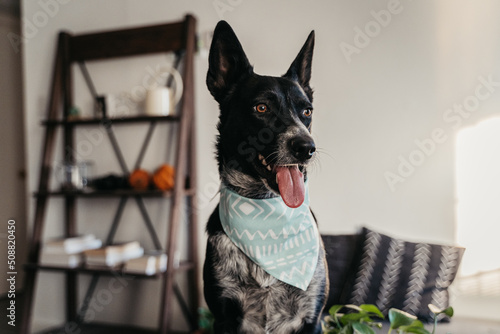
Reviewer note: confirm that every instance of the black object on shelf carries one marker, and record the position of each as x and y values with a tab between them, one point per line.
100	107
110	182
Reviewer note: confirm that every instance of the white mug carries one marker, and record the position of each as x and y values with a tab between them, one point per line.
161	101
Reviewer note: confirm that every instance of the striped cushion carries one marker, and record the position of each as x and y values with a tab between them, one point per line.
340	251
390	272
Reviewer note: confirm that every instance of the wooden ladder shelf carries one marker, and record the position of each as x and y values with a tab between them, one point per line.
179	38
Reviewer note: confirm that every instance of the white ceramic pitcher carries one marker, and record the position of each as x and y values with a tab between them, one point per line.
162	100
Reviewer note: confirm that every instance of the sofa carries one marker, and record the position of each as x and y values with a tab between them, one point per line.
373	268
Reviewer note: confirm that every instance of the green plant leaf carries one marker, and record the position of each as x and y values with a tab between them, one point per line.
335	309
448	311
206	319
331	331
417	323
351	317
354	307
362	328
413	329
372	309
434	309
399	318
347	330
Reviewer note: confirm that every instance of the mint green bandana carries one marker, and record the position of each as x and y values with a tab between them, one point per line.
281	240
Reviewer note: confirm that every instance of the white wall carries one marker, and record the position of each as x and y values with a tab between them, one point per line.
369	111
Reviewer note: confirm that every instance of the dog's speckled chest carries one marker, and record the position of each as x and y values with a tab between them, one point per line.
268	305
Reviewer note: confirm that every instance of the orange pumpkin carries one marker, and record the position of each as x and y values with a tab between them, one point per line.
139	179
163	178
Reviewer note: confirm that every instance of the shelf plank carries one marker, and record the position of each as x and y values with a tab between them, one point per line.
100	328
128	42
107	121
84	270
183	266
106	193
112	193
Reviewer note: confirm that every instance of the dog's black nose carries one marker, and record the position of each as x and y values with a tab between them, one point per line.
302	148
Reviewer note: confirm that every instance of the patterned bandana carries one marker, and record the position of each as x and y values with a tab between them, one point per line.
281	240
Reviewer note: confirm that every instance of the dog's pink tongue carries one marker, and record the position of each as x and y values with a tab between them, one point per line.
291	185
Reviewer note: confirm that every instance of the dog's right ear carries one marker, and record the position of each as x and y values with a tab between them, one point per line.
227	61
300	70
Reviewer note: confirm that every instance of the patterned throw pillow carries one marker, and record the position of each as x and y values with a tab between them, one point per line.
391	272
340	251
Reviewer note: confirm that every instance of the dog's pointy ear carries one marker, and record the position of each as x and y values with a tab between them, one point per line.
227	61
300	70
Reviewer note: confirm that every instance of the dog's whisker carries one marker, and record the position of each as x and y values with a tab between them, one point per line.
315	165
271	157
322	152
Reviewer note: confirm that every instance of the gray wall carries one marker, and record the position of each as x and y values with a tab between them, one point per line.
380	95
13	194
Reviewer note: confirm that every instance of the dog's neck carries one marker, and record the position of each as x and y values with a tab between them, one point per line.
245	185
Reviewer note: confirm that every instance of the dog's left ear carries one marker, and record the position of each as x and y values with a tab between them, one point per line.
227	62
300	70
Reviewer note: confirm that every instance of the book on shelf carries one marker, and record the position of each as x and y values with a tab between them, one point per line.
61	260
67	252
113	255
148	264
73	245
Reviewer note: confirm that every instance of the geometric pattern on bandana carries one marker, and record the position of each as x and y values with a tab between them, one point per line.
283	241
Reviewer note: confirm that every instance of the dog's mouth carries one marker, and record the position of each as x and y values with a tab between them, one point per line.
287	179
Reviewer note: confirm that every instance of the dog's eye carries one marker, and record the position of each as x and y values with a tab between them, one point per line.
261	107
307	112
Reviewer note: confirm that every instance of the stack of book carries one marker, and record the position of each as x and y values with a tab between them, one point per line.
148	264
67	252
113	255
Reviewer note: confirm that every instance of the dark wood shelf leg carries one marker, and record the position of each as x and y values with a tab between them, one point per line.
182	167
71	298
29	295
55	104
71	279
193	274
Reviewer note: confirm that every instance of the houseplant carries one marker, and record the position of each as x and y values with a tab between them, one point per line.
365	319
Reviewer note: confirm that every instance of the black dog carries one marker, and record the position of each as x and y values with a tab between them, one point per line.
263	149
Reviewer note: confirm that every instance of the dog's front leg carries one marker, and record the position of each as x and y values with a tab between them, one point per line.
236	301
240	317
234	319
293	311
